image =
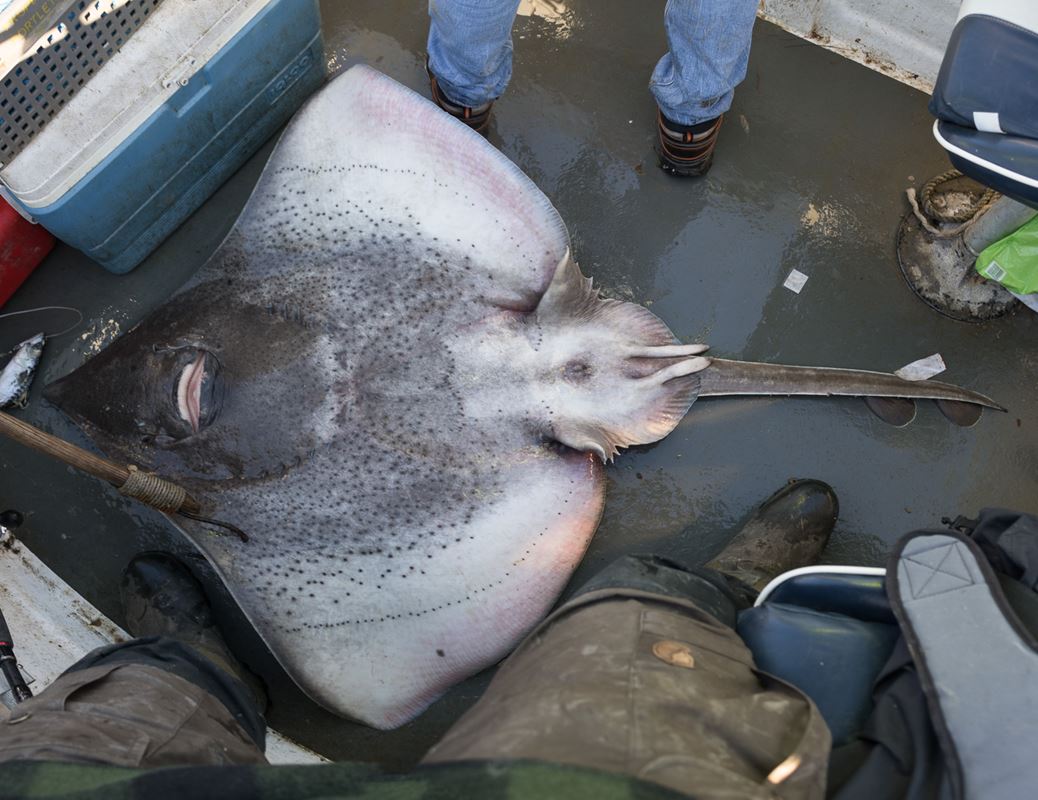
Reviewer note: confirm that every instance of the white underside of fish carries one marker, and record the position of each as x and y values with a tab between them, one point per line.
455	386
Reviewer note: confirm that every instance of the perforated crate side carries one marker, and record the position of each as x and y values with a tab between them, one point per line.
66	57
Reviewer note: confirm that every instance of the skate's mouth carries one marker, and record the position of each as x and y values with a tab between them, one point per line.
195	391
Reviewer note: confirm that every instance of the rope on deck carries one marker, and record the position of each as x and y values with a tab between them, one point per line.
926	212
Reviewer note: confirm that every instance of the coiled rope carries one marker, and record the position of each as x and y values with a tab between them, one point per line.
927	213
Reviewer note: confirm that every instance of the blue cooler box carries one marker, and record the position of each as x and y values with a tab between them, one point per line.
168	118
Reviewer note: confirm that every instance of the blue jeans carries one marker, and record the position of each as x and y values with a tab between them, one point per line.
470	53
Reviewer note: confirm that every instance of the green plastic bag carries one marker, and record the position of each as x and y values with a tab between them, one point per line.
1013	261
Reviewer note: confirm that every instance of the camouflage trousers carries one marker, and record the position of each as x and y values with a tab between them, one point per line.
639	674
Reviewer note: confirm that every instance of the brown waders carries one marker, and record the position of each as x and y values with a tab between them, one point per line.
152	702
642	673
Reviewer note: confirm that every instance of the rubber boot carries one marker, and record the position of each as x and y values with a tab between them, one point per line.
788	530
161	597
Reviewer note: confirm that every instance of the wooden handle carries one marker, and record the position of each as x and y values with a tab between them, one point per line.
115	474
30	436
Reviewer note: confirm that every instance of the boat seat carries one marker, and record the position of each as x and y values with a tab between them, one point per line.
1008	164
986	96
828	633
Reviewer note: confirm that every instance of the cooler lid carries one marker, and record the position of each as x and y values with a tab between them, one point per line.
175	42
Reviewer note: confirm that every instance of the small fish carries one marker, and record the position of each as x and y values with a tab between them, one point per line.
16	376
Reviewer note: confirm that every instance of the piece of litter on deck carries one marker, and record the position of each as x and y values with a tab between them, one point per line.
922	369
796	280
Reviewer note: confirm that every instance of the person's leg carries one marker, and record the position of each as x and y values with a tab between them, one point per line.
470	54
642	673
130	705
709	49
175	696
694	82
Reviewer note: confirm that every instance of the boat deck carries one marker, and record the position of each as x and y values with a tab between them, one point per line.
810	174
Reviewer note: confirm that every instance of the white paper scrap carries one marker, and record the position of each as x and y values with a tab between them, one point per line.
795	282
922	369
987	121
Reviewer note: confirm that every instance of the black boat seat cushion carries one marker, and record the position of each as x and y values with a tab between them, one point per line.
829	635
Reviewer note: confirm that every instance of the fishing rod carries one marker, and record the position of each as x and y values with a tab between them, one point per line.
8	663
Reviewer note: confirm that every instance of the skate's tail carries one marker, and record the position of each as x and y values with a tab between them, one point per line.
889	397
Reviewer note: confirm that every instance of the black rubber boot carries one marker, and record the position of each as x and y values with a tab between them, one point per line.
161	597
477	117
788	530
686	150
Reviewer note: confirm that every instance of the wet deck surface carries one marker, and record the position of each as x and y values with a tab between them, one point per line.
810	173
